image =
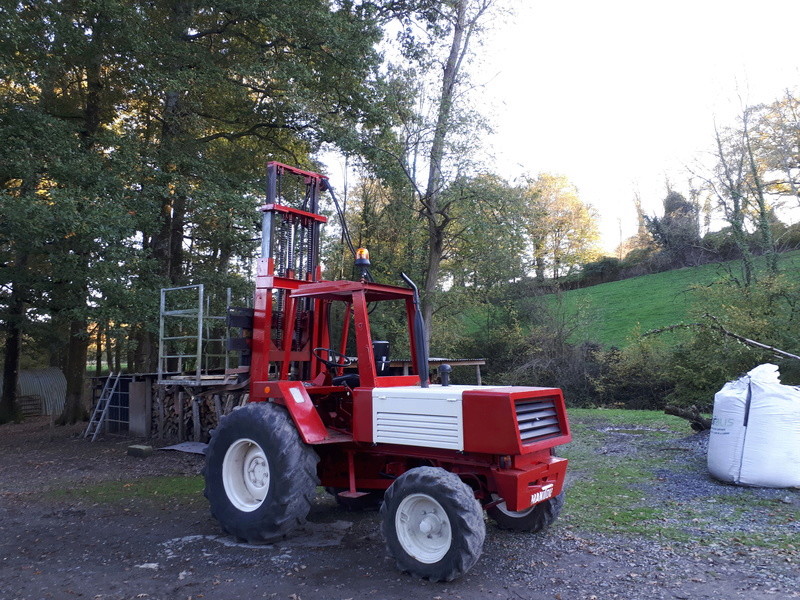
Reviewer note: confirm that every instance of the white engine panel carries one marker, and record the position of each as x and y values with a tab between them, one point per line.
429	417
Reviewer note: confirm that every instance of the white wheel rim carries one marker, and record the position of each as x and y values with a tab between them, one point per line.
503	508
245	475
423	528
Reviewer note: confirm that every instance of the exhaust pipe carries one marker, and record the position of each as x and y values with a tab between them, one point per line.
420	348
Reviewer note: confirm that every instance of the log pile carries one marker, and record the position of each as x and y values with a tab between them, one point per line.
184	414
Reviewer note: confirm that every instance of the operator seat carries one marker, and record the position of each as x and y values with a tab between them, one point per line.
380	349
351	380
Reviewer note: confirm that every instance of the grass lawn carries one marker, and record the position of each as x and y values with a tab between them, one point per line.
153	489
615	310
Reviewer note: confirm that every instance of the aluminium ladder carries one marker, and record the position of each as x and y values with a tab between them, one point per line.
101	408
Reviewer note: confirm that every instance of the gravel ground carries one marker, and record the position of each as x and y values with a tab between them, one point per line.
67	547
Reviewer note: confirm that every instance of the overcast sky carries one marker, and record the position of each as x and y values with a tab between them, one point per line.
618	95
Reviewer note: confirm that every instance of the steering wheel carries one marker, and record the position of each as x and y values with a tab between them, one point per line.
335	359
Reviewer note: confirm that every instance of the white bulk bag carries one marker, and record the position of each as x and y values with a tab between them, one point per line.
755	432
726	439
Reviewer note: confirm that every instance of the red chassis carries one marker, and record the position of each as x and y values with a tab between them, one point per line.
344	423
432	455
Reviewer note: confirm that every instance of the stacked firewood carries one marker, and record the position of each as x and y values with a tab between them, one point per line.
182	415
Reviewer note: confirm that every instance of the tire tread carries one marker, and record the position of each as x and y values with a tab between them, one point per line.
294	483
542	516
465	513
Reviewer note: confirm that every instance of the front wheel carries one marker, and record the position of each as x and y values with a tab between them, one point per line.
532	520
432	524
260	476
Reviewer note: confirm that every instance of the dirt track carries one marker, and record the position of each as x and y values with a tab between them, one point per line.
65	546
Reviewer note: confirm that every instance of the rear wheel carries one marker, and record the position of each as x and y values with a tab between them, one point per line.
432	524
260	476
534	519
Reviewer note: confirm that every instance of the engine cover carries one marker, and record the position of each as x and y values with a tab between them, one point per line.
485	419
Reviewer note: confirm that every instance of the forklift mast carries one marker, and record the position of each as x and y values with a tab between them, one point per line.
289	259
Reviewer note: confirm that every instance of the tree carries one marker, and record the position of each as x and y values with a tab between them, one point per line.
775	135
642	240
487	246
464	19
729	187
764	212
382	218
766	311
142	152
431	139
561	229
64	75
677	232
738	185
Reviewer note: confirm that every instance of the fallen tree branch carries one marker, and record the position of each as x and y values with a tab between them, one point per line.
722	330
691	414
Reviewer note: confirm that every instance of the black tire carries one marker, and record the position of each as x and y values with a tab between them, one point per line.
533	520
260	476
372	501
432	524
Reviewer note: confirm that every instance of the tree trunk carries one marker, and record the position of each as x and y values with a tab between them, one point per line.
733	181
74	410
8	406
146	359
168	242
78	293
538	252
437	218
764	224
692	414
109	353
130	356
117	355
98	351
9	411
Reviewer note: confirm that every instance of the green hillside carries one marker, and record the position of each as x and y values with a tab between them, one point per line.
615	309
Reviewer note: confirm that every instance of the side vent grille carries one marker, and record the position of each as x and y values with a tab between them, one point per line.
431	431
537	420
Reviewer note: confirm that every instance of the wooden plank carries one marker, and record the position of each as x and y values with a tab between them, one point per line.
196	426
160	404
179	411
218	408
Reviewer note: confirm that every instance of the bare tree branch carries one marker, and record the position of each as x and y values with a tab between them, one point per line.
250	131
722	330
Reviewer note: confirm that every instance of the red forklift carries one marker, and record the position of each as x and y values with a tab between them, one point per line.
325	409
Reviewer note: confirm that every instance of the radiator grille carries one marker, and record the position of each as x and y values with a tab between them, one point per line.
537	420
